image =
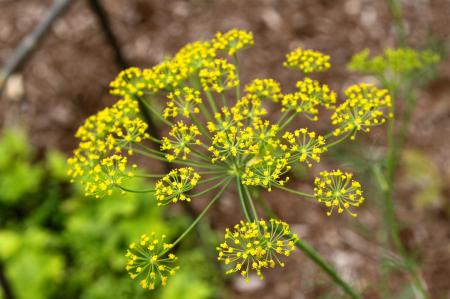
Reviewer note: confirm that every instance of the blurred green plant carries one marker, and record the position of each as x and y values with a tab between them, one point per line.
404	72
55	244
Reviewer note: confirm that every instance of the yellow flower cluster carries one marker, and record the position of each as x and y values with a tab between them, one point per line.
254	246
318	93
230	143
365	106
150	262
307	61
264	89
237	141
173	187
300	103
248	108
183	101
218	75
305	146
166	76
309	96
184	137
336	189
99	162
233	41
267	172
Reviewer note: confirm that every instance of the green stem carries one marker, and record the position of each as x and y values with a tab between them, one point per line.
295	191
288	121
396	12
249	201
318	260
135	191
238	86
200	216
156	113
211	101
242	200
337	141
209	189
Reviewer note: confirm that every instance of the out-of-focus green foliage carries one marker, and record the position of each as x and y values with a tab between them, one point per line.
55	243
395	67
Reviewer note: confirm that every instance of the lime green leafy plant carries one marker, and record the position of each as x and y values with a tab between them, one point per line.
220	136
54	245
403	72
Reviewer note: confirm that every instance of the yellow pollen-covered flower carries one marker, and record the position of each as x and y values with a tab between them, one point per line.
173	187
307	61
319	93
183	138
218	75
264	89
254	246
365	106
232	142
336	189
266	172
300	103
183	102
195	55
248	108
233	41
150	262
99	162
305	146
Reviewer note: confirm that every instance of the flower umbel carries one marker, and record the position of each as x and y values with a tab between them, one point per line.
307	61
183	138
100	161
233	41
150	262
253	246
305	146
174	186
366	106
336	189
229	133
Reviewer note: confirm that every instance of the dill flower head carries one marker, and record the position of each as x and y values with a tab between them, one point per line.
266	172
264	89
174	186
233	41
232	142
366	106
195	55
248	108
100	163
183	101
150	262
305	146
218	75
300	103
307	61
253	246
183	137
394	63
336	189
319	93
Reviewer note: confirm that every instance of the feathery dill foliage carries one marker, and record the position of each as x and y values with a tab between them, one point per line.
219	133
395	67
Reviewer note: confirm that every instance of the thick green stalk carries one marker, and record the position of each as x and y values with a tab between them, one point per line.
395	144
318	260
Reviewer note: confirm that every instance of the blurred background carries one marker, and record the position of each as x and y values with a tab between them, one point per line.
54	243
